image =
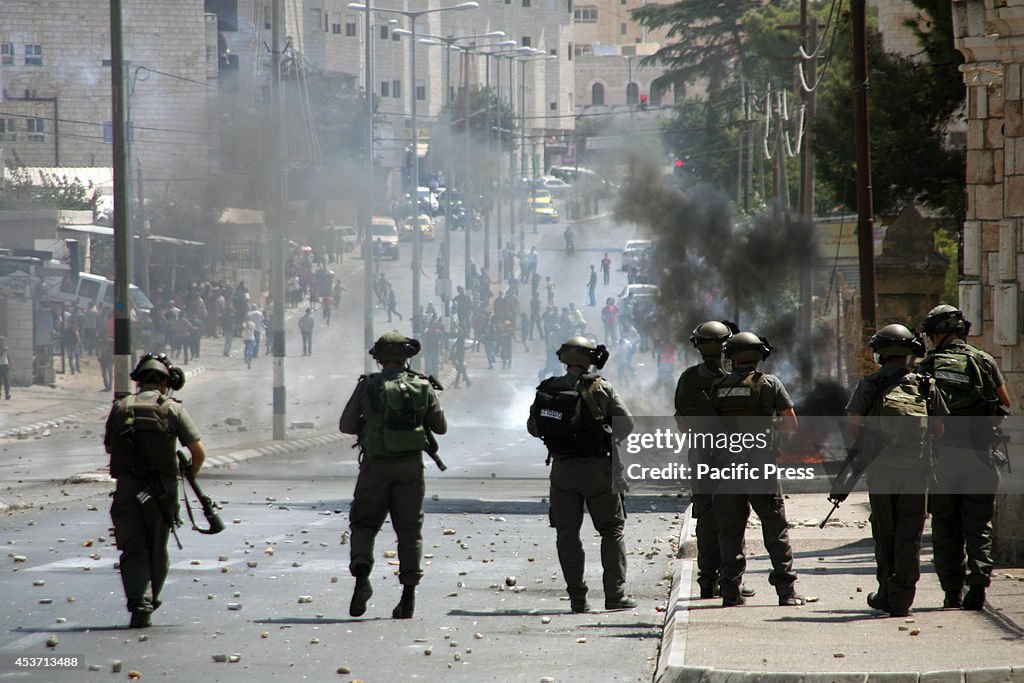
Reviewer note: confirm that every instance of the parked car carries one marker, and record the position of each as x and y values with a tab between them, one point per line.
633	252
426	228
348	237
385	236
584	179
89	289
556	186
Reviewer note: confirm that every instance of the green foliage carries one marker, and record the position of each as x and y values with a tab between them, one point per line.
54	192
480	101
910	105
947	243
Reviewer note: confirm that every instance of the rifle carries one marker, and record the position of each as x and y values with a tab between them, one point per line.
1000	447
216	525
155	492
432	448
849	474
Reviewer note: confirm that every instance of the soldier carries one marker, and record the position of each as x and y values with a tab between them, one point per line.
748	393
573	414
893	405
692	401
393	412
140	437
973	390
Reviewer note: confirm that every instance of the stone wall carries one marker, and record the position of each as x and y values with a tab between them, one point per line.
990	34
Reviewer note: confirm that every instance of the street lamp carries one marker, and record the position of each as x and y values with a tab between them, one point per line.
535	55
629	85
417	242
450	44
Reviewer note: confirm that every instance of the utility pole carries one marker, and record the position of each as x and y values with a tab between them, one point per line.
122	227
143	223
865	218
368	340
468	186
278	199
740	195
810	47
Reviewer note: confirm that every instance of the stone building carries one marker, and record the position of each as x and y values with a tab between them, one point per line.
990	34
55	72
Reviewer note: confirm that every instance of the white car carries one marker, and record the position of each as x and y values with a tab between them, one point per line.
556	186
347	236
633	252
428	200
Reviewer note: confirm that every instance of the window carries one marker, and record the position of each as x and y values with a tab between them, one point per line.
227	14
585	15
268	18
553	106
336	24
33	55
597	94
632	94
350	29
8	130
525	41
622	28
327	20
396	36
384	32
579	50
421	92
396	89
569	52
553	52
36	130
385	89
7	54
526	3
108	132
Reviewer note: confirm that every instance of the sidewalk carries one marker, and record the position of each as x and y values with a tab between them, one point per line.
836	636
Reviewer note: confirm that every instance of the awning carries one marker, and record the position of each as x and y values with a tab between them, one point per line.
90	229
109	232
175	241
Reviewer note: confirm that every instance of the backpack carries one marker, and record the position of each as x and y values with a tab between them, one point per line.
694	390
966	384
898	420
740	398
561	421
395	423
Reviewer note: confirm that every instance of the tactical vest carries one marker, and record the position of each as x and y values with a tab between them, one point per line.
144	442
964	379
695	387
394	423
568	418
898	418
736	395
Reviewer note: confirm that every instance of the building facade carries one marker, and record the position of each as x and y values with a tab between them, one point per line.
55	74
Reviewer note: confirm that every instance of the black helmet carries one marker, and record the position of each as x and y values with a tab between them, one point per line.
946	318
161	366
395	347
583	352
746	347
709	336
896	340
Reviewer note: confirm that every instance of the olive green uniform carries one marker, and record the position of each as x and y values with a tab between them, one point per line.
140	528
963	521
692	399
897	480
391	483
733	499
586	479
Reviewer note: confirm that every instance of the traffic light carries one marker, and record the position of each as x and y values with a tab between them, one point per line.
679	166
643	103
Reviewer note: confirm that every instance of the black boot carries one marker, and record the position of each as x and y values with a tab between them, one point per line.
405	606
953	600
361	594
975	598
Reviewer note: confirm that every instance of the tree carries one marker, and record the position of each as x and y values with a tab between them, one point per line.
53	192
910	106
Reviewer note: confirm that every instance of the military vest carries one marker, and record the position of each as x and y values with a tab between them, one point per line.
145	441
963	377
898	418
735	395
394	424
568	418
695	389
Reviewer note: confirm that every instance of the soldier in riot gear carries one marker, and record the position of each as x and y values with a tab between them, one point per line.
962	504
140	435
759	397
893	405
573	414
394	413
692	403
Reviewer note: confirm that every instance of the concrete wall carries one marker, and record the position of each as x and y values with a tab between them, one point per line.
16	320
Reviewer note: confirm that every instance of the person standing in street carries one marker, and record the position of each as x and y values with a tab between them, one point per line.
249	340
140	436
592	286
306	324
256	316
693	410
582	468
6	367
458	355
962	501
105	353
393	413
392	303
893	406
606	268
748	393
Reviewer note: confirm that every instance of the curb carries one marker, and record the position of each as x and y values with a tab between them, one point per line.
672	668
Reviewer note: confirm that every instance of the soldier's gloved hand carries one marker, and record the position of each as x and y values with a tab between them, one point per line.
838	498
